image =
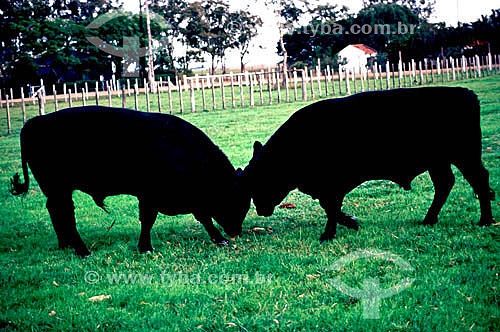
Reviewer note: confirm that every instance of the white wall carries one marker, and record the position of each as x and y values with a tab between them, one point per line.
354	57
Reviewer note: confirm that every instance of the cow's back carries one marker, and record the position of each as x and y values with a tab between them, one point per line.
379	134
106	151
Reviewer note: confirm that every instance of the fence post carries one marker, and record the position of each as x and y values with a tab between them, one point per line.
9	129
379	78
84	103
179	89
340	80
124	97
70	98
278	86
261	78
326	82
65	93
33	96
311	82
221	81
203	97
318	79
438	65
41	106
400	69
212	85
304	89
54	95
119	89
432	70
362	79
136	92
11	98
197	82
252	99
287	92
354	83
108	87
420	73
331	73
97	93
478	62
23	106
147	90
233	101
270	87
454	77
242	96
347	82
191	94
393	75
404	74
465	73
169	91
128	86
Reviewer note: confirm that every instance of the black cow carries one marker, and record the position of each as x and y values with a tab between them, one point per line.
330	147
171	166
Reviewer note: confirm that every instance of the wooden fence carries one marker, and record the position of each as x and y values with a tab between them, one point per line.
237	90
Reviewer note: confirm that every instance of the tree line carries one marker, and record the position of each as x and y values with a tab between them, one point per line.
48	39
305	45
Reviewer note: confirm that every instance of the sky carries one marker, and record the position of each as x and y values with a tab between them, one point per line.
263	50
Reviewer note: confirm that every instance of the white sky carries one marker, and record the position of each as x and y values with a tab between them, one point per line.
263	51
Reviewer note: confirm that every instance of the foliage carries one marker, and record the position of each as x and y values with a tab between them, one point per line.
428	40
422	8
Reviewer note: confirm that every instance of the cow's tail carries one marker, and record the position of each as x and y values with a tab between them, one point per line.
16	186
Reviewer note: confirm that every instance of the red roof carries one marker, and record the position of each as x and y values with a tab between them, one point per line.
364	48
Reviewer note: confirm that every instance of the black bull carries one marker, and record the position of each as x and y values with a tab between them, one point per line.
169	165
330	147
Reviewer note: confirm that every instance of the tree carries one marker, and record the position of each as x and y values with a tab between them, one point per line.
244	25
47	40
174	12
422	8
287	14
208	29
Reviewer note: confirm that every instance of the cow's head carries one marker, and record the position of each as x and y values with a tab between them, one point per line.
235	206
264	183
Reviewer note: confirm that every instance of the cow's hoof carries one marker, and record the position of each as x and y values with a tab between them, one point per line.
349	222
486	222
327	237
83	253
145	250
429	222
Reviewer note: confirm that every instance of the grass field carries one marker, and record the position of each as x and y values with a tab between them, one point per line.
276	276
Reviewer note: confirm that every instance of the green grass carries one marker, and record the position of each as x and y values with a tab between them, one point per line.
456	264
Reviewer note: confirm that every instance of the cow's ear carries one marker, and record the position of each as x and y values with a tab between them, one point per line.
257	146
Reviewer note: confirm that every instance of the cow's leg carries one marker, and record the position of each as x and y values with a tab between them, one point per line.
348	221
214	233
62	214
147	216
478	177
443	181
333	213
